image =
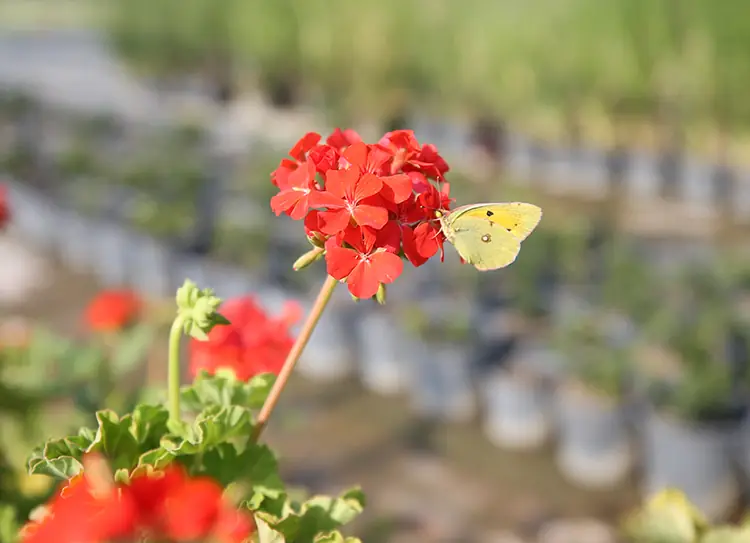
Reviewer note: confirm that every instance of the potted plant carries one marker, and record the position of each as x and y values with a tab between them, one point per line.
441	385
693	414
574	291
382	364
515	358
594	448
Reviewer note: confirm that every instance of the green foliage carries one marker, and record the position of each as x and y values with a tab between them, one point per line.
541	63
693	322
594	355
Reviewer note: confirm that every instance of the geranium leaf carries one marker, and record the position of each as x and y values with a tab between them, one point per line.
266	534
225	389
335	537
304	522
115	441
59	458
149	424
260	467
214	425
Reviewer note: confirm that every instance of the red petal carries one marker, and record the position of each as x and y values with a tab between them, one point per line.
356	154
340	262
386	266
389	237
363	281
361	238
300	209
303	176
334	221
323	198
410	247
285	200
372	216
426	239
397	188
337	181
381	267
306	142
367	185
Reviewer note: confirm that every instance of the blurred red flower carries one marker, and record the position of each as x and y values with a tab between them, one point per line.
251	344
368	205
113	310
162	506
4	207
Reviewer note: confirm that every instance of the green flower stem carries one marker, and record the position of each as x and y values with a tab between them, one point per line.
300	343
175	335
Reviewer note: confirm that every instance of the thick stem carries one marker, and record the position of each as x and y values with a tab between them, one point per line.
175	335
294	354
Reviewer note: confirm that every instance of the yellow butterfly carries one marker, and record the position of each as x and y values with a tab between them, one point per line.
489	236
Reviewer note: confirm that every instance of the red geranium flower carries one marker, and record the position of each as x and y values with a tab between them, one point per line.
251	344
372	204
362	265
345	198
409	155
294	200
280	175
113	310
340	139
396	188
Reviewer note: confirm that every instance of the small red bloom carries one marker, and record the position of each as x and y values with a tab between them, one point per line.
280	175
363	266
346	197
294	200
341	139
372	159
251	344
4	207
113	310
409	156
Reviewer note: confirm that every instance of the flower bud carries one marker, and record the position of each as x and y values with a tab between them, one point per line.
308	258
381	294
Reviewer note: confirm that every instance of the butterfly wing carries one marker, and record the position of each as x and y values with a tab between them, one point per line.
483	243
518	218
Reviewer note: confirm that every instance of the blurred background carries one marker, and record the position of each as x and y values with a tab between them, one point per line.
537	403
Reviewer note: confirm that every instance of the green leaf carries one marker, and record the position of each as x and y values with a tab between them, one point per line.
303	522
225	389
335	537
266	534
59	458
153	459
214	425
115	441
132	348
149	424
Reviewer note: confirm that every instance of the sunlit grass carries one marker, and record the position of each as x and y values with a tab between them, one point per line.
49	14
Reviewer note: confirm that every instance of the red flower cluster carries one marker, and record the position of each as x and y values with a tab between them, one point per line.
168	506
4	207
113	310
253	343
367	205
